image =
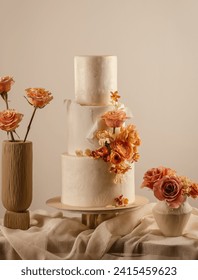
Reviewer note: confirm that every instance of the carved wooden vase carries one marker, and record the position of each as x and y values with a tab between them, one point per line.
17	183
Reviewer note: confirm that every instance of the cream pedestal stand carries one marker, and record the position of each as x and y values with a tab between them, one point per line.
17	183
93	216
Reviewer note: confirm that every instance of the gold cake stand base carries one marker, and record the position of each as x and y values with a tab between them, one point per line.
93	216
93	220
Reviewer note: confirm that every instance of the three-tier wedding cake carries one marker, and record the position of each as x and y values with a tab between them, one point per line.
98	164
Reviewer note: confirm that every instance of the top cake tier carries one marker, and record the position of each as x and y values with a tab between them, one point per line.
95	78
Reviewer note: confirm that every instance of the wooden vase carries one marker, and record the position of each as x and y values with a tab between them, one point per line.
17	183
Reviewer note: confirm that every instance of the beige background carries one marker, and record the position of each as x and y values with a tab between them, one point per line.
156	42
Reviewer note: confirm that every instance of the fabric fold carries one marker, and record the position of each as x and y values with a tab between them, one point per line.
129	235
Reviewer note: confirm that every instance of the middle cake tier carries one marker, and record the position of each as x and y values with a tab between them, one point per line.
82	122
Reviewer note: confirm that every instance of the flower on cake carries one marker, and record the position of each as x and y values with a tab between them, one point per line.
10	118
121	201
168	186
115	97
118	143
114	118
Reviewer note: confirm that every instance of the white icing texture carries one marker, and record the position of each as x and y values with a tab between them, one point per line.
82	123
88	183
95	78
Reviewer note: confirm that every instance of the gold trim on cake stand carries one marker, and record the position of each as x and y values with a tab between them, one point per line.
93	216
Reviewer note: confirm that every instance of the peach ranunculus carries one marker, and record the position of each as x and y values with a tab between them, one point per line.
114	118
169	188
9	120
5	84
129	134
38	97
153	175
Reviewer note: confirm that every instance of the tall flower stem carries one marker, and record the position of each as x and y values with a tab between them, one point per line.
4	95
29	126
12	136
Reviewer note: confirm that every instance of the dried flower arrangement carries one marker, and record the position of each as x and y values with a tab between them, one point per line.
121	201
118	143
169	187
10	118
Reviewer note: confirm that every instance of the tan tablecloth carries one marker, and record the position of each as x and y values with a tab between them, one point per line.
130	235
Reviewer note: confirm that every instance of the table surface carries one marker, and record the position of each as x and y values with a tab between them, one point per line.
130	235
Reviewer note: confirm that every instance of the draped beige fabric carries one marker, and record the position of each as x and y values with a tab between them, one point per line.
130	235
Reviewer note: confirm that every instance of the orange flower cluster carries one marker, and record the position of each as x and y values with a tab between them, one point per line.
169	186
121	201
120	150
117	147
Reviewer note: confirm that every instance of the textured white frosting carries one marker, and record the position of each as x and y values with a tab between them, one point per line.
88	183
82	122
95	78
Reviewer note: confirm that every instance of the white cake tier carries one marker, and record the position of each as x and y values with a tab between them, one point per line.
81	123
87	182
95	77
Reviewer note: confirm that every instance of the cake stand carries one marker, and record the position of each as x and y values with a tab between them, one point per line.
93	216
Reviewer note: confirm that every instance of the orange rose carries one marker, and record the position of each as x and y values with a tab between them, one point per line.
169	188
114	118
38	97
153	175
124	149
6	83
9	120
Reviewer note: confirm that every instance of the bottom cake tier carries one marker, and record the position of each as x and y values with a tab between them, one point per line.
87	182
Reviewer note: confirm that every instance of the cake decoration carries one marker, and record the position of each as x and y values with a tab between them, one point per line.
121	201
118	143
100	149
